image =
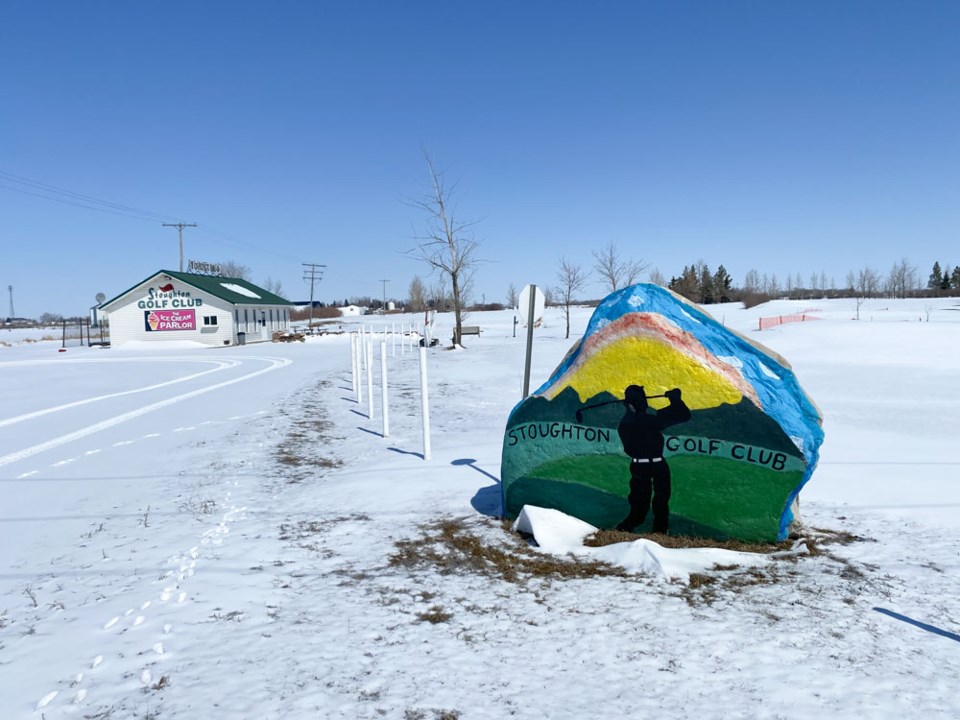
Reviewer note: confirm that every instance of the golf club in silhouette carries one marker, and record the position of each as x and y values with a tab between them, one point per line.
579	413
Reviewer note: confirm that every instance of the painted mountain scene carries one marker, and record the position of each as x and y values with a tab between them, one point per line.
660	419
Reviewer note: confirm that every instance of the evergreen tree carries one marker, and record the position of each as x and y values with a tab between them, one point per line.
955	278
936	277
945	282
722	283
705	283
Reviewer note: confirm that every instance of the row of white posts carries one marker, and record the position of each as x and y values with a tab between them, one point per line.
361	363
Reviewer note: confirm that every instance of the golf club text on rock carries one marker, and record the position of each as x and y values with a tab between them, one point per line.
675	444
737	451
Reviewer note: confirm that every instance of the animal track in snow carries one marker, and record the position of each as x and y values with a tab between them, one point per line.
93	452
110	623
27	474
61	463
123	442
47	699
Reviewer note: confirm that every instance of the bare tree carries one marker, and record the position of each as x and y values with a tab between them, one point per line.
867	282
274	286
657	278
615	271
231	269
902	277
512	296
572	279
445	244
439	297
418	295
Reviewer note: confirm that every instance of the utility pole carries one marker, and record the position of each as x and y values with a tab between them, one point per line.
312	274
12	313
180	227
383	308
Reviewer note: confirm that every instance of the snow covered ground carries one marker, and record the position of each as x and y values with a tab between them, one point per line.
224	533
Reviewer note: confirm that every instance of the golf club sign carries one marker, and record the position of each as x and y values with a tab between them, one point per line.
660	419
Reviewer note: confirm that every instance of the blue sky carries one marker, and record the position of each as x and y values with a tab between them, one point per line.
778	136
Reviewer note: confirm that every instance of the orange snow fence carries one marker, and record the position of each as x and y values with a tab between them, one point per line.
769	322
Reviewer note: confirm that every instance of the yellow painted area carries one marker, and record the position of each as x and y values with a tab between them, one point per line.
647	361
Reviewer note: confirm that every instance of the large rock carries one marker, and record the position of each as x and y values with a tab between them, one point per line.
729	452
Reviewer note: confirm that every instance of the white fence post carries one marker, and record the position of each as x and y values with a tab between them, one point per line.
353	362
424	403
384	403
359	369
369	344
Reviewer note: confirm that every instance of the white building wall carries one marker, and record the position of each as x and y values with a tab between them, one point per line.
212	317
216	322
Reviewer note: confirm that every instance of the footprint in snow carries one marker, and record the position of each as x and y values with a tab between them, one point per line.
110	623
26	474
47	699
123	442
95	663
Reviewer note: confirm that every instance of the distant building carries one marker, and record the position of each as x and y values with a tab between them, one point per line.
352	310
14	322
208	309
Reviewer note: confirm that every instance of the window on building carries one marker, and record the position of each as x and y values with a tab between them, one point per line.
209	319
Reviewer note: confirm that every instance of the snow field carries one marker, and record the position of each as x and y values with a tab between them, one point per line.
228	554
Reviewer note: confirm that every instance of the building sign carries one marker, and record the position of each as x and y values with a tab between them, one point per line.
204	268
163	320
168	297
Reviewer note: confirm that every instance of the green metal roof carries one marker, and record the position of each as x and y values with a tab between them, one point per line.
218	287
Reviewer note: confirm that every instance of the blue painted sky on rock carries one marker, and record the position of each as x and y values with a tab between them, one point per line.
781	137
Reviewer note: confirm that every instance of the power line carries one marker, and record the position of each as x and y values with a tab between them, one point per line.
180	227
46	191
310	274
383	308
42	187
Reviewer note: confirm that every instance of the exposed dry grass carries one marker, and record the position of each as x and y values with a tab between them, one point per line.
309	430
449	546
609	537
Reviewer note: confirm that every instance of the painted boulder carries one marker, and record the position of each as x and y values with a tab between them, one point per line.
660	419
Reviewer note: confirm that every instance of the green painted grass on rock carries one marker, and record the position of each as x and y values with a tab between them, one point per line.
713	497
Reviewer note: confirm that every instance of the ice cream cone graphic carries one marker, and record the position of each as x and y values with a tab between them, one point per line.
153	321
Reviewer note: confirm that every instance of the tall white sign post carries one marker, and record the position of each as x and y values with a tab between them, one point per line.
533	301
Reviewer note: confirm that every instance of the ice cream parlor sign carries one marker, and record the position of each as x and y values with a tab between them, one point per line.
160	320
156	315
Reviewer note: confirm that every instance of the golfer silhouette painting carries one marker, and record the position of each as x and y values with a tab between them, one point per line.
641	432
